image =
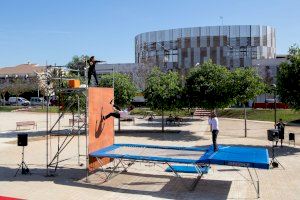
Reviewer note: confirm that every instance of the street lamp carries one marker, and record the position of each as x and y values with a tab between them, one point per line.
274	90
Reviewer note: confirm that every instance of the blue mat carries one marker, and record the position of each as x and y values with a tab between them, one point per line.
226	155
238	156
187	169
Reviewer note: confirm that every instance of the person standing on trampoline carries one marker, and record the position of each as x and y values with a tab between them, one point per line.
214	123
92	71
119	113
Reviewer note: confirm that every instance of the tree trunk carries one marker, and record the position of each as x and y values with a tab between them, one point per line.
162	121
245	119
43	103
73	119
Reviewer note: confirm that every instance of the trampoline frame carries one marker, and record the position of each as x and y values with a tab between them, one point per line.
120	160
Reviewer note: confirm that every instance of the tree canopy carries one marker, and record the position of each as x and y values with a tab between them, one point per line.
209	86
124	89
246	84
77	63
288	79
163	90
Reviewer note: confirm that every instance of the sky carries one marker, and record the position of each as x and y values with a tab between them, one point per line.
53	31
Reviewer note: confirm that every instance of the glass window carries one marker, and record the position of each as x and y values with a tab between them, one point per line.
159	36
195	32
204	32
234	34
264	36
176	34
245	36
224	32
244	31
196	55
214	31
152	36
269	36
186	32
255	35
234	31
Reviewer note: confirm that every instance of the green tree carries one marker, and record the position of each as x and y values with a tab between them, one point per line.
163	91
78	63
124	88
4	88
209	86
19	86
288	79
246	86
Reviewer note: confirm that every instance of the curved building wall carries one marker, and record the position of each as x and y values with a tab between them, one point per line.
231	46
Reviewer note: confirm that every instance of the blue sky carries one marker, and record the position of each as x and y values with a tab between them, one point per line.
56	30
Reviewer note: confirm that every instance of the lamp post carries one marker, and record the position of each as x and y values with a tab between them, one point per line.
274	90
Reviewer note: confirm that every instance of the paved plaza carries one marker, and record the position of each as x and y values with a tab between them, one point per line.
144	181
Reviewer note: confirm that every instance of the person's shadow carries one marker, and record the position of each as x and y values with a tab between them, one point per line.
100	124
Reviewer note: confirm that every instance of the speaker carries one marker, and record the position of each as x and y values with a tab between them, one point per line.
292	136
273	135
22	139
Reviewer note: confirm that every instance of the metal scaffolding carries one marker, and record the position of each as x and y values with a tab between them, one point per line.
55	131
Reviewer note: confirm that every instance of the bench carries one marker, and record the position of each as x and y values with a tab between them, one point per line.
174	120
26	123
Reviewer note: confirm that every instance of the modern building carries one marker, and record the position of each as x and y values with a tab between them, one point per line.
124	68
182	48
268	68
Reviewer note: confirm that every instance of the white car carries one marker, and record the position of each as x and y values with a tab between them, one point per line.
19	101
37	101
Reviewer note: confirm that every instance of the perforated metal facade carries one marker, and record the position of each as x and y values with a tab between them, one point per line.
231	46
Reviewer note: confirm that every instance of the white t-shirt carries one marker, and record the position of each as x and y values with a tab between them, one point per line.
214	122
124	113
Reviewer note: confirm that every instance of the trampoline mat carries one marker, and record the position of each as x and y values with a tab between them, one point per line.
148	152
161	153
226	155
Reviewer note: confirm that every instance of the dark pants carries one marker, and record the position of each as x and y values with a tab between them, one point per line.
281	137
113	114
214	139
90	73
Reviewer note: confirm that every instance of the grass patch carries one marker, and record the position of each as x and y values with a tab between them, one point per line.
287	115
52	109
9	108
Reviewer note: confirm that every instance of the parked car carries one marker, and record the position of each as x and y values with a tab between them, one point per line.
19	101
37	101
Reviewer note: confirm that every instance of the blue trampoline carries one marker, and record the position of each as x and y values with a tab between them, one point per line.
199	158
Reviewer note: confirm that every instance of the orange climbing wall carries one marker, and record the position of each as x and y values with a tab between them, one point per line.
101	133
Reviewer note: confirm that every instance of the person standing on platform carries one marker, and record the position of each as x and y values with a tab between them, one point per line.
280	126
92	71
214	123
